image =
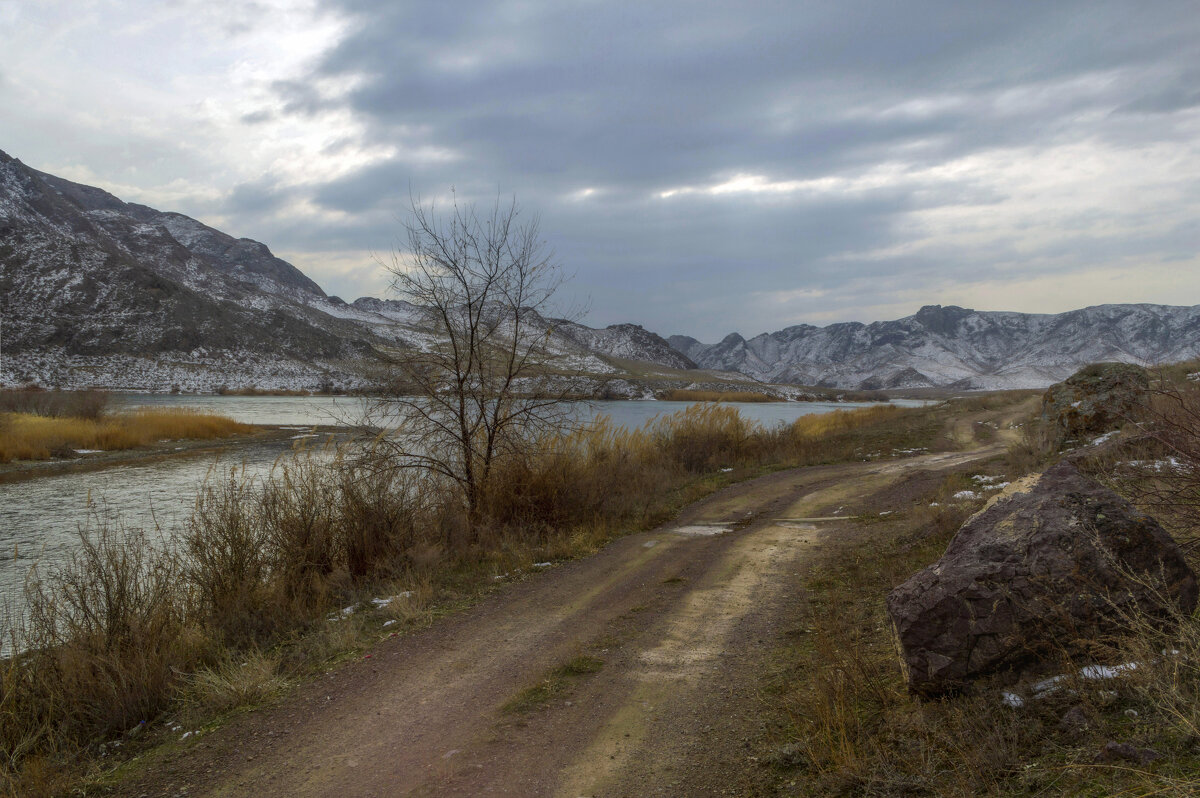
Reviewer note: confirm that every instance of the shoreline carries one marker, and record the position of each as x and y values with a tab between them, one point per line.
24	470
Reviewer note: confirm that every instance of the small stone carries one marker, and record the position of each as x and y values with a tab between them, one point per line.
1074	720
1114	751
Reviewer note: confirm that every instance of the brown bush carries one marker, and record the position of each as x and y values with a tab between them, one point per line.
55	404
99	653
227	562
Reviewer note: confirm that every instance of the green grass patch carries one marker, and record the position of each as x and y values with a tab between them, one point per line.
555	684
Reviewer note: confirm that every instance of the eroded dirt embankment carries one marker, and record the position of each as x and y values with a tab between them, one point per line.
681	619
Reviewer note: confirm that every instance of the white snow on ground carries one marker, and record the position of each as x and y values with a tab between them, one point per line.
989	482
1167	464
1051	685
1105	438
966	495
700	530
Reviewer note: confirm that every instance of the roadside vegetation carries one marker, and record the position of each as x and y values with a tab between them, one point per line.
684	395
841	721
135	640
39	425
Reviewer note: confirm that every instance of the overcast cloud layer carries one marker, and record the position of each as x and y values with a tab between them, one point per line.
699	167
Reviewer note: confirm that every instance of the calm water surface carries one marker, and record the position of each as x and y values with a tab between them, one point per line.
40	518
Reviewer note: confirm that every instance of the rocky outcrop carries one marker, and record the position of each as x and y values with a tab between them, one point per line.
1050	564
1095	399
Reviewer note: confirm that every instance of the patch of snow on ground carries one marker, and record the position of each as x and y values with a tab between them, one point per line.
1168	464
966	495
700	530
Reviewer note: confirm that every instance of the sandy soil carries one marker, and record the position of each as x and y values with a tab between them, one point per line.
682	618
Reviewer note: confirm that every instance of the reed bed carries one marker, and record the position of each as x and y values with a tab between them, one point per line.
28	436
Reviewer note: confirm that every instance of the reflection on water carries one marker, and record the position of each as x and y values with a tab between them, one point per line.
39	518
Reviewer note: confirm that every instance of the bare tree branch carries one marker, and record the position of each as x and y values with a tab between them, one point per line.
477	391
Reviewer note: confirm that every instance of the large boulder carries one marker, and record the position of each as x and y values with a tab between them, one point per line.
1095	399
1051	564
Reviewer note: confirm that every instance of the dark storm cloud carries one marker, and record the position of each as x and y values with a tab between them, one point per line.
548	99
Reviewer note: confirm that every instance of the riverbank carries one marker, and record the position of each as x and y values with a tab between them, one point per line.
158	451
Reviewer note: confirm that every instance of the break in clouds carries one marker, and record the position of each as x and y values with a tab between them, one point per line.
699	167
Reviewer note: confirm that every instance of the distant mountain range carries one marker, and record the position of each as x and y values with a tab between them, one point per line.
97	291
957	347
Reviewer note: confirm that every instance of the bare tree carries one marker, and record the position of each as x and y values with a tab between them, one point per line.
480	390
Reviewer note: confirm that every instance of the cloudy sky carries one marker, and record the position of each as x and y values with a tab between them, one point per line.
699	167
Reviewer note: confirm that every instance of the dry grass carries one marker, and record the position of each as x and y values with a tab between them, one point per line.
684	395
233	683
25	436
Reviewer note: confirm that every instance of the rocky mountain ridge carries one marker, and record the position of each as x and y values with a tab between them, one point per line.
957	347
98	291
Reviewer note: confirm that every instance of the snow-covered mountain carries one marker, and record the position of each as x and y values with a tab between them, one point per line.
97	291
953	346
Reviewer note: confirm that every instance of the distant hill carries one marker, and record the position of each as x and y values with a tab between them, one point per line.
957	347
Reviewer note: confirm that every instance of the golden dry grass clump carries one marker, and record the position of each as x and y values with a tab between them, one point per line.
26	436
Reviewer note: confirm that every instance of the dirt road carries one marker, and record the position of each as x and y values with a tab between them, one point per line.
672	626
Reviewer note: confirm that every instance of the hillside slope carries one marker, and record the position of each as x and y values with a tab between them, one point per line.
97	291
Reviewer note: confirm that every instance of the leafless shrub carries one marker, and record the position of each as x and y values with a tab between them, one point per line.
227	560
379	512
106	633
58	404
1157	463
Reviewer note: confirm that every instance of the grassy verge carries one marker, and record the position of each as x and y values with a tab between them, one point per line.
841	722
26	436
